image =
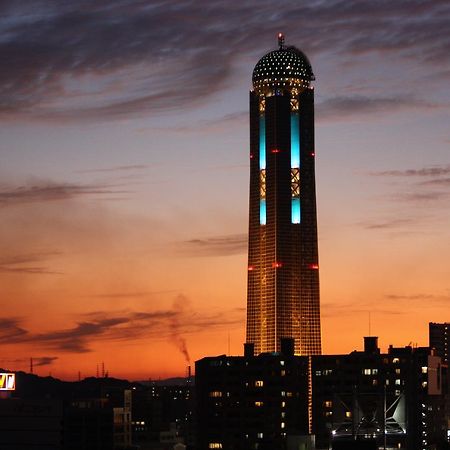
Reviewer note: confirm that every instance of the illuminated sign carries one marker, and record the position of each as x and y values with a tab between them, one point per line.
7	381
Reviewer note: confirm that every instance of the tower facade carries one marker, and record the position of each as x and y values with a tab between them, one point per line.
283	267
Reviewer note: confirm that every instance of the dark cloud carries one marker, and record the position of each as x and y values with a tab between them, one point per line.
171	325
39	361
210	125
429	298
437	182
388	224
435	171
358	105
10	328
421	197
345	309
128	168
216	246
44	361
44	191
31	263
85	60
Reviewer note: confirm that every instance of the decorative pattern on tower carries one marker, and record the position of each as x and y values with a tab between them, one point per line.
283	267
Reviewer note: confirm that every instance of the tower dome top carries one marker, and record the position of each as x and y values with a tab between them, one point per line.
284	69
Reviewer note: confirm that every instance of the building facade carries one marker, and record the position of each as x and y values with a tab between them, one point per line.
283	266
253	402
395	399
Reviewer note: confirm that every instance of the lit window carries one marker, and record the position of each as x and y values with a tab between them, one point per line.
259	383
398	371
260	435
398	382
328	404
259	404
215	394
367	371
425	369
395	360
283	424
348	414
215	445
424	384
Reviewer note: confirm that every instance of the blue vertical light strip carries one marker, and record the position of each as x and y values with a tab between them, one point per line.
262	143
295	164
262	166
295	141
262	211
296	214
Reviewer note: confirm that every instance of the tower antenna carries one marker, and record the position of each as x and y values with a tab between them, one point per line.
31	365
369	325
281	40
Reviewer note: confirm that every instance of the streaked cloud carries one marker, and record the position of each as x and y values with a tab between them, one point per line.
128	168
388	224
355	106
216	246
434	171
49	191
31	263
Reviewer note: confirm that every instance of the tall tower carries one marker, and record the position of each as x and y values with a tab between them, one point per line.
283	267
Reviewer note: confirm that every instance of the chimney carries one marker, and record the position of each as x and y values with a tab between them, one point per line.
249	349
371	345
287	346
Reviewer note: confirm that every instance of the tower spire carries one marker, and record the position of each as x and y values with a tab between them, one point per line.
281	40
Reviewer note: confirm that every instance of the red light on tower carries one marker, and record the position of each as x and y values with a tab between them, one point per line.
276	150
277	265
313	266
250	268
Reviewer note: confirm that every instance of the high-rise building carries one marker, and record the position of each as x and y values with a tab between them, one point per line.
283	266
439	338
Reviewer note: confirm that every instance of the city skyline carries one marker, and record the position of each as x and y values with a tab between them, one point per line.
124	177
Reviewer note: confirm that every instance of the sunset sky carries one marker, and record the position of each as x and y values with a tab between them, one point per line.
124	176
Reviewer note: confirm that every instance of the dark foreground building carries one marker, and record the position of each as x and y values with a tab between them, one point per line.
253	402
395	398
283	266
439	339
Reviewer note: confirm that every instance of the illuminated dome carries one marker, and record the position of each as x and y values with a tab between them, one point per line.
284	69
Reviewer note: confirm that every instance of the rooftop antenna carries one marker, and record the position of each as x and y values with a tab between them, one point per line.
281	40
369	325
228	343
31	365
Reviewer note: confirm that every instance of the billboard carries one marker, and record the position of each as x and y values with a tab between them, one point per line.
7	381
